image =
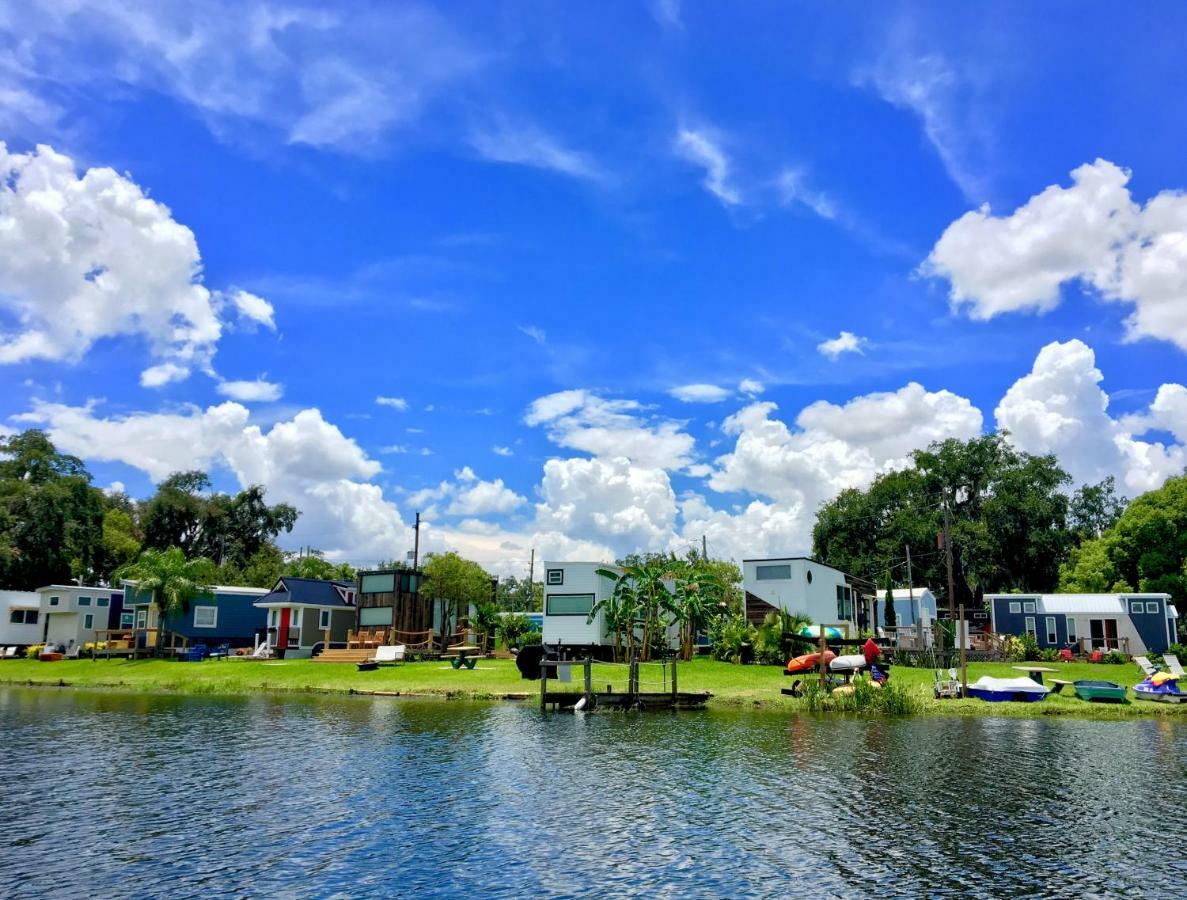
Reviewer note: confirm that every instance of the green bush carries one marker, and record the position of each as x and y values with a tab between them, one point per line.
728	634
1178	650
34	651
1023	648
530	639
513	629
768	640
1049	654
1115	658
890	699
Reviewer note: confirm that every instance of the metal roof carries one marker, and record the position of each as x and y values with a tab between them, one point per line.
1080	604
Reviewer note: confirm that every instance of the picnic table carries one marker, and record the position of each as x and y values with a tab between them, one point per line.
463	655
1035	672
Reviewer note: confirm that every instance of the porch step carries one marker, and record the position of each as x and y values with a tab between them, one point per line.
342	655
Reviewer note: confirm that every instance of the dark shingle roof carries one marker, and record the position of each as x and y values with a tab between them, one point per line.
310	591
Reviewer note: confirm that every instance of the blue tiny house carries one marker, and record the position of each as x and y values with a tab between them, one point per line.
1132	623
226	615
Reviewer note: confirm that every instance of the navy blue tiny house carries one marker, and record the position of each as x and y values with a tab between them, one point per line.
1131	623
227	615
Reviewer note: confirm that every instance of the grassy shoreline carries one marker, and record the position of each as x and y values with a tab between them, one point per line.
497	679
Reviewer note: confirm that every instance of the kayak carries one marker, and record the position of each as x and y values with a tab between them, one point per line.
809	662
849	663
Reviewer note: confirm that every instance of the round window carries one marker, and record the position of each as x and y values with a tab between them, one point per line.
809	576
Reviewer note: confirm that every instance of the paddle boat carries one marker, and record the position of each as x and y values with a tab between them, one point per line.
1161	687
997	690
1100	691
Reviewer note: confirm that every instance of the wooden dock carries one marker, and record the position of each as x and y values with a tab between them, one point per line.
631	698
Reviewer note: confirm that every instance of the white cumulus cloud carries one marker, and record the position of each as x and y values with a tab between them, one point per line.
257	391
1092	232
845	342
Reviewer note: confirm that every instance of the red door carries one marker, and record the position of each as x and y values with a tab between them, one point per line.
282	638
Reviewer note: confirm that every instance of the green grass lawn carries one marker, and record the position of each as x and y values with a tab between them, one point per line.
737	686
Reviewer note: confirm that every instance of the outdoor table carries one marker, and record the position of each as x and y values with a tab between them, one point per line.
1035	672
461	651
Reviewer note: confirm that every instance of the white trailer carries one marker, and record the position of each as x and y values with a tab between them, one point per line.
20	618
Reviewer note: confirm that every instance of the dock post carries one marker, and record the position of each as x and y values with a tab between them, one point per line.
544	687
823	664
673	680
588	682
963	631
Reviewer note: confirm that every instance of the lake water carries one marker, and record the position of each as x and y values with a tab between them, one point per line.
114	794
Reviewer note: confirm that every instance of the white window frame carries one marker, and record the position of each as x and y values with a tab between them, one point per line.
214	621
1152	607
1028	606
54	601
1071	629
142	617
323	619
1052	631
1136	607
780	567
555	577
273	617
1030	627
1015	607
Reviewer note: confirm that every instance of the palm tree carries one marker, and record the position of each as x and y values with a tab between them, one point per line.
641	606
698	595
173	581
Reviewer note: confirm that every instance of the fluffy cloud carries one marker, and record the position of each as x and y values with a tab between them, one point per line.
475	497
703	149
845	342
751	387
258	391
305	461
1092	232
581	420
607	500
88	257
254	309
700	393
397	403
831	448
1060	408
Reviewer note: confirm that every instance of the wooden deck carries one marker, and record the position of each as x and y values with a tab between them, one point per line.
646	701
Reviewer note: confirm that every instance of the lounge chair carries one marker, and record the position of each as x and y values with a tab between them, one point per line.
1173	665
7	652
1148	668
388	655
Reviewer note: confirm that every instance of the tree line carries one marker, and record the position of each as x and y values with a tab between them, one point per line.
1014	524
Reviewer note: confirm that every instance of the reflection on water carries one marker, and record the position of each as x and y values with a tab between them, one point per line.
114	794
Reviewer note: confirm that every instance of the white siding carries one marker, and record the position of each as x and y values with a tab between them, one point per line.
815	598
578	578
11	634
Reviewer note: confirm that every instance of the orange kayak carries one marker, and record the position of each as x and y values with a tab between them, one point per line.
810	661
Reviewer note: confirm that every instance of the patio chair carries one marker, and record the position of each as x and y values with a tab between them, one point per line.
1148	668
389	655
1096	656
1173	664
7	652
1066	655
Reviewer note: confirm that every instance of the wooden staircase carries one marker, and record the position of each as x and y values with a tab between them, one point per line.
343	655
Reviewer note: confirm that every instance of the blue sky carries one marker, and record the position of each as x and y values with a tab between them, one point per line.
530	227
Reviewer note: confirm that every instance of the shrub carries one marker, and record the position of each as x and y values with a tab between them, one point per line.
530	639
768	640
34	651
1115	658
890	699
728	634
1178	650
512	630
904	658
1023	648
1049	654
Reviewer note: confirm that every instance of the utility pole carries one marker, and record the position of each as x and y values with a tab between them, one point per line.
416	546
704	549
948	561
531	581
910	584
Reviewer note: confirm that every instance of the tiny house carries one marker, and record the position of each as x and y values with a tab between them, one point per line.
303	611
20	618
571	591
72	613
797	584
1131	623
226	615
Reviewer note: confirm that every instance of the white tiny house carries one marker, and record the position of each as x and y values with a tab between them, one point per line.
796	584
20	618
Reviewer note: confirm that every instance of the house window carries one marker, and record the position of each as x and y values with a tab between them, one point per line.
273	616
205	616
556	576
1028	606
142	618
1052	637
126	619
1135	606
102	601
88	621
844	603
568	604
980	616
23	617
1071	631
1015	608
1030	627
54	601
1152	607
773	573
323	620
378	584
84	601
